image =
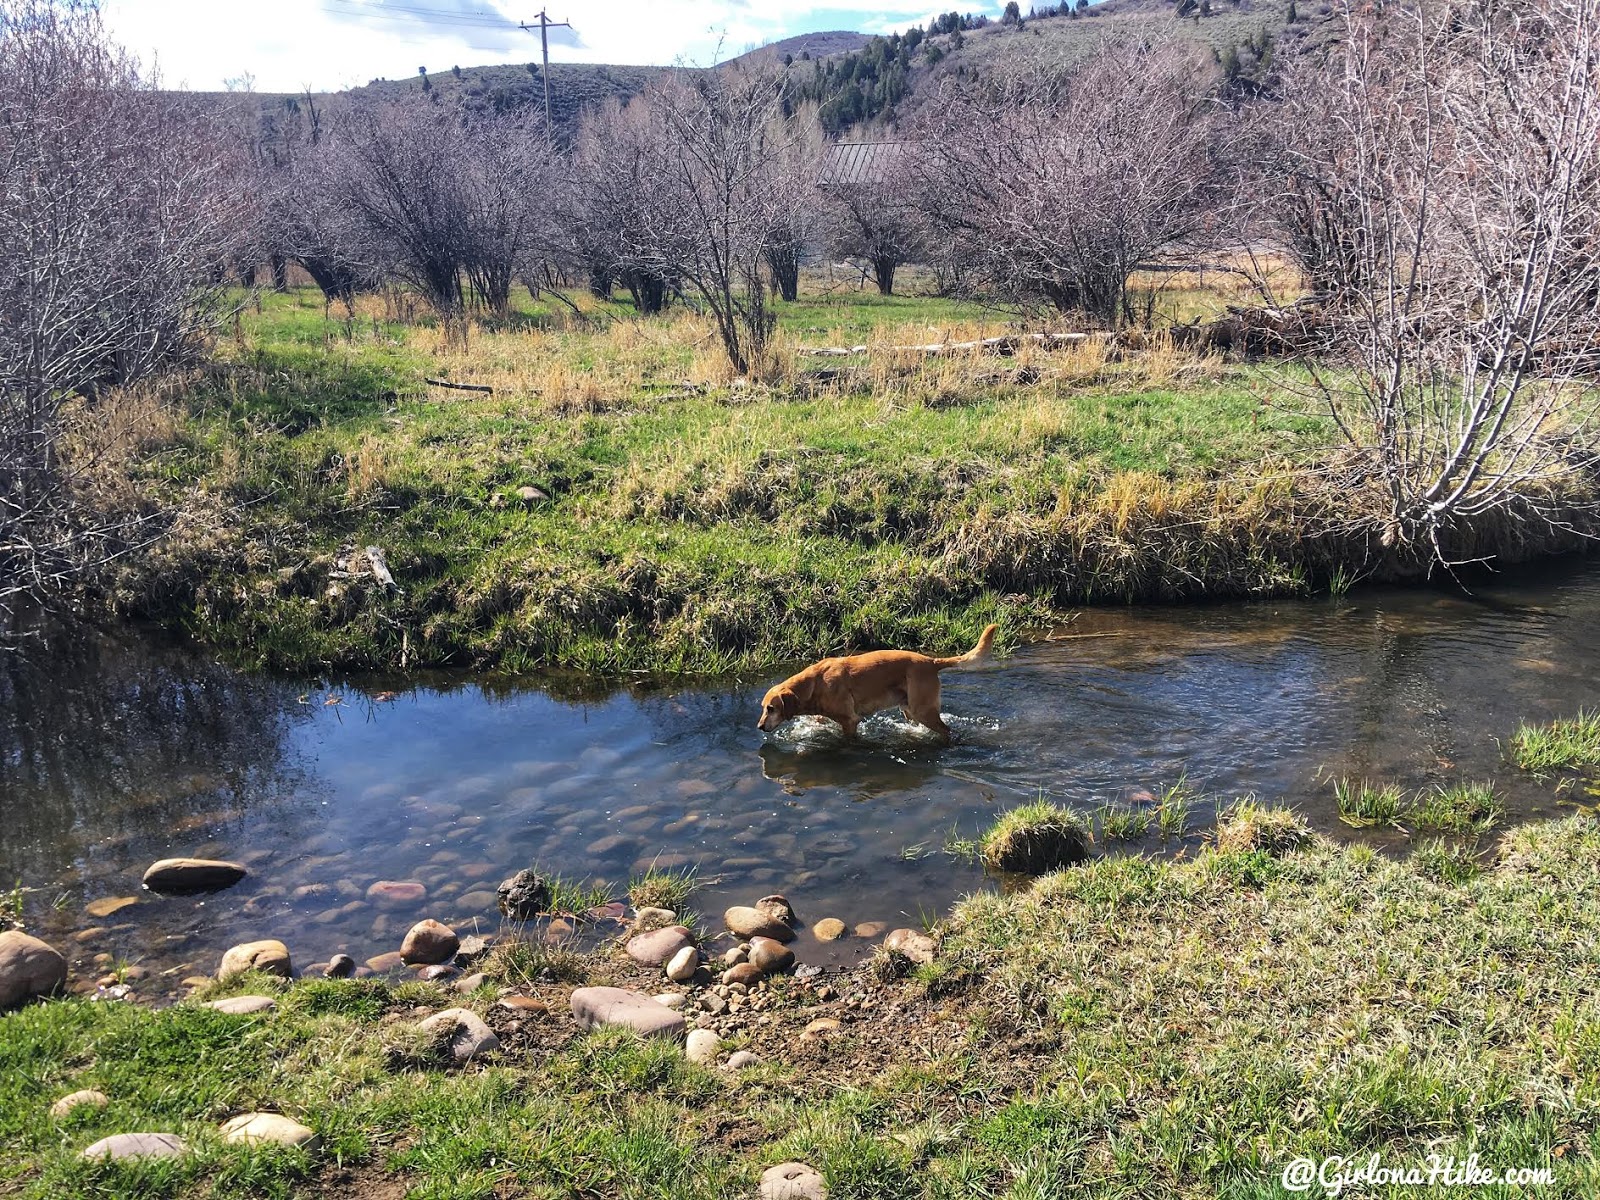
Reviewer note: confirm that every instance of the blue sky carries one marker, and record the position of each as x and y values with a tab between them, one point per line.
286	45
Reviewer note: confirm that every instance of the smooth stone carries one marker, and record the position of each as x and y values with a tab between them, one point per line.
913	944
829	929
683	965
604	846
870	929
138	1145
469	1036
88	1097
752	922
793	1181
254	1129
649	918
106	905
192	875
268	955
736	956
340	966
88	935
523	1004
597	1006
524	896
659	946
702	1046
239	1006
471	983
397	894
438	972
739	1060
771	957
383	963
673	1000
472	948
474	901
820	1026
747	974
28	967
429	942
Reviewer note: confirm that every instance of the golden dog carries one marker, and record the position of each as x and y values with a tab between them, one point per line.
847	689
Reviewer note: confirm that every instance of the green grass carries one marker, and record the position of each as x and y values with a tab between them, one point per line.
1361	803
1561	745
1133	1027
694	526
1037	837
1124	822
1172	808
1457	808
659	888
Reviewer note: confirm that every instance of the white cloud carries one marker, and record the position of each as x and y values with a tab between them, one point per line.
327	44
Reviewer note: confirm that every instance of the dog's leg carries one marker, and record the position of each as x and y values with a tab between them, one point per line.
922	703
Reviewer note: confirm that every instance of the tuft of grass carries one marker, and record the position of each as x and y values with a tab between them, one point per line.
1123	822
521	962
1248	826
1560	745
571	898
1457	808
1447	861
1362	803
1035	838
1172	808
657	888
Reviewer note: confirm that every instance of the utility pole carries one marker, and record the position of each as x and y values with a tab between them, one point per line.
545	25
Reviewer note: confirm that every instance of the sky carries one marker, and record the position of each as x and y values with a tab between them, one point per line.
289	45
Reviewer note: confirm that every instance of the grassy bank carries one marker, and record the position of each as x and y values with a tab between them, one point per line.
619	504
1124	1028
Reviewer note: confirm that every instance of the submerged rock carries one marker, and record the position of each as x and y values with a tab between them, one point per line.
524	896
829	929
193	875
28	967
397	894
102	908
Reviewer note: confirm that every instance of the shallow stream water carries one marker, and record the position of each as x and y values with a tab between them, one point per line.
127	752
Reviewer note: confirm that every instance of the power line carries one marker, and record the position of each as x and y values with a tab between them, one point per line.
430	16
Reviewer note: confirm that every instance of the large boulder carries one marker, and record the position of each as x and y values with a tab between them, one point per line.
268	955
192	875
597	1006
28	967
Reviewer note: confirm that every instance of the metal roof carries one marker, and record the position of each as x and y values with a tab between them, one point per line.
858	162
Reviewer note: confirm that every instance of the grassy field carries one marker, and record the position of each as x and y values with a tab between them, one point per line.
1127	1028
686	521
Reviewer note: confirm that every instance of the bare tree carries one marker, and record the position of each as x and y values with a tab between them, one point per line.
871	213
114	225
1056	187
1467	187
504	179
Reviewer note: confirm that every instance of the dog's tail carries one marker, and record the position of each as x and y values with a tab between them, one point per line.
977	654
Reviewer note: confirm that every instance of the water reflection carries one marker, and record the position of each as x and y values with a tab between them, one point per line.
126	752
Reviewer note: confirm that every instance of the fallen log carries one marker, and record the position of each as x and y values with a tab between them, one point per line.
1006	344
460	387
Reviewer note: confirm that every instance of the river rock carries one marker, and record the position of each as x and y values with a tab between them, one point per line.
429	942
267	955
673	1000
769	956
397	894
821	1026
438	973
192	875
682	965
913	944
138	1145
747	974
469	1036
793	1181
702	1046
240	1006
659	946
752	922
86	1098
384	963
473	947
526	1005
829	929
255	1129
28	967
648	918
736	955
870	929
471	983
739	1060
102	908
778	908
524	896
340	966
596	1006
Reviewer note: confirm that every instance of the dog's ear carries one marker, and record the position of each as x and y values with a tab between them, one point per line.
788	704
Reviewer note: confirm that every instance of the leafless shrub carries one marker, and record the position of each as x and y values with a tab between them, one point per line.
871	215
1463	265
112	223
1055	187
